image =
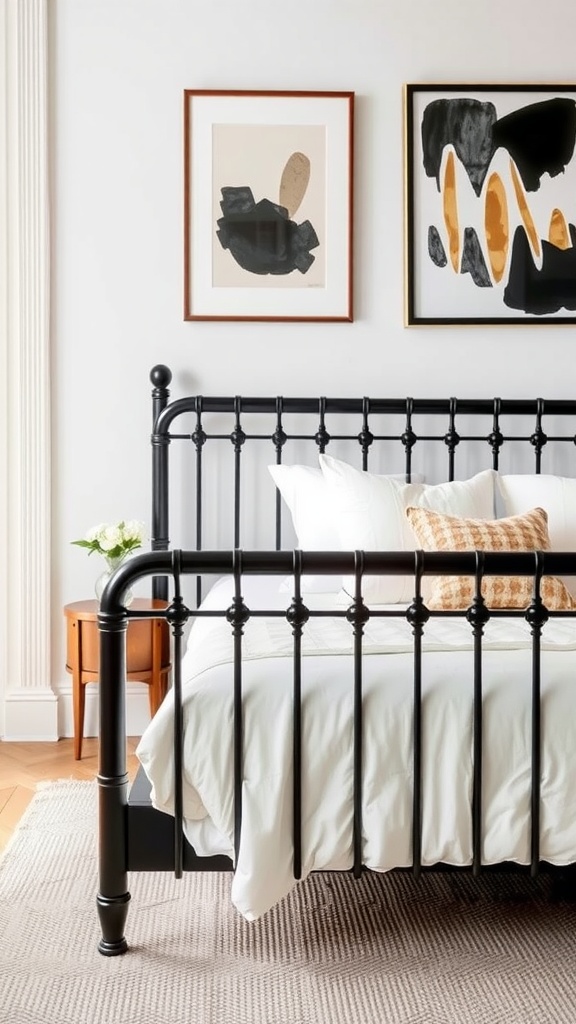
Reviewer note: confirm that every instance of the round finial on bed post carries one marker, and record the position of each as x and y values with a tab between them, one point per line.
160	376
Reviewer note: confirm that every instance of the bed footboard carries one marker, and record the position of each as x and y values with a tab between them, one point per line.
134	836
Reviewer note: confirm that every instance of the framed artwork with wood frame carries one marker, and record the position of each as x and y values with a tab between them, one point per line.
268	181
490	181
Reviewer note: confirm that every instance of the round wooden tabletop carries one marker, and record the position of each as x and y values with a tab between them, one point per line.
89	609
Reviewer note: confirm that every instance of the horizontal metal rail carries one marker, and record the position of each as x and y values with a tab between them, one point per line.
375	563
354	406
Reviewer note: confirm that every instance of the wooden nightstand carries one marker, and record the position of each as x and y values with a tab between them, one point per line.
147	655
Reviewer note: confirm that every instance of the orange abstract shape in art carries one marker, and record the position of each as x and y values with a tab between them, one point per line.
451	212
558	232
496	225
525	212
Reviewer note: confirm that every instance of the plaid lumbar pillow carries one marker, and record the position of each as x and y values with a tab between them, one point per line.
529	532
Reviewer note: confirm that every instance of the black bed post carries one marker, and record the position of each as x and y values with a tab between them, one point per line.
113	896
160	377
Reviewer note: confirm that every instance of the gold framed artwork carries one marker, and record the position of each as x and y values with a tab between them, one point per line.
490	180
268	180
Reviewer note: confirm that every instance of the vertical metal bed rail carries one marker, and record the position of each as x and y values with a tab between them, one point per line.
358	615
177	616
160	376
237	615
297	615
322	437
539	438
408	438
365	437
496	438
477	615
199	440
536	616
237	437
417	615
452	438
279	439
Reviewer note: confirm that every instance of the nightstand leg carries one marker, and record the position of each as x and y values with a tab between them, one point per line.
78	688
79	702
157	690
78	695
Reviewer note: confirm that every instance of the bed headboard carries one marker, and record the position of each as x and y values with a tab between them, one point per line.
447	426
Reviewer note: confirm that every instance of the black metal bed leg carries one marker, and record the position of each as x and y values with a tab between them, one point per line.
112	913
113	897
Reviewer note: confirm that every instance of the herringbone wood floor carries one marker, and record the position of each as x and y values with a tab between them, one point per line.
23	765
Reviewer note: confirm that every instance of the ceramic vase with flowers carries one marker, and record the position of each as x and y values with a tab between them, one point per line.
115	542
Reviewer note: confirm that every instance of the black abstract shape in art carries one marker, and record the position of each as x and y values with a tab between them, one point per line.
436	250
473	261
261	237
465	124
540	138
543	291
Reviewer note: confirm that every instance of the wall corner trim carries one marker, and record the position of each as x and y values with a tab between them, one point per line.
25	498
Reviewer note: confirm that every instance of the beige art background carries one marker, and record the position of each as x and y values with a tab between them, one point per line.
255	156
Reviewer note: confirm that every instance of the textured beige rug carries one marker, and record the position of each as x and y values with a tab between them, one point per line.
379	951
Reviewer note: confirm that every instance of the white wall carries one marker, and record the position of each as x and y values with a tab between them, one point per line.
119	68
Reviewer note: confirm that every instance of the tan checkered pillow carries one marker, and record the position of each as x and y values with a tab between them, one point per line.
529	532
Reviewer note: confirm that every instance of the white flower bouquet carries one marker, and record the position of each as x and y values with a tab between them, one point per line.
113	540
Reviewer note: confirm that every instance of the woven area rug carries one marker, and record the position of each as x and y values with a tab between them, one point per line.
378	951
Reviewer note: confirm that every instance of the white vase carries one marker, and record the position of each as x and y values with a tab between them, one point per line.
111	565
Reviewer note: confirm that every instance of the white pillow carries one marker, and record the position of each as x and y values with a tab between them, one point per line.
304	490
306	493
519	492
371	516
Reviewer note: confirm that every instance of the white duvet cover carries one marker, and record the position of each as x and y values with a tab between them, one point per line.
264	870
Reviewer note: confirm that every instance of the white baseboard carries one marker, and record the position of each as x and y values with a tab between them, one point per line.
30	714
42	715
137	711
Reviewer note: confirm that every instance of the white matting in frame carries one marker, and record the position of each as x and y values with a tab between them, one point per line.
268	205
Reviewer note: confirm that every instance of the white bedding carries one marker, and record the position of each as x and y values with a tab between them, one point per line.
264	871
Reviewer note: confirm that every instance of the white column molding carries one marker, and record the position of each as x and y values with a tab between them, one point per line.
3	367
29	703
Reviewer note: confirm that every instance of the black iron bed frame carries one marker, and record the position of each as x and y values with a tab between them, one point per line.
133	836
